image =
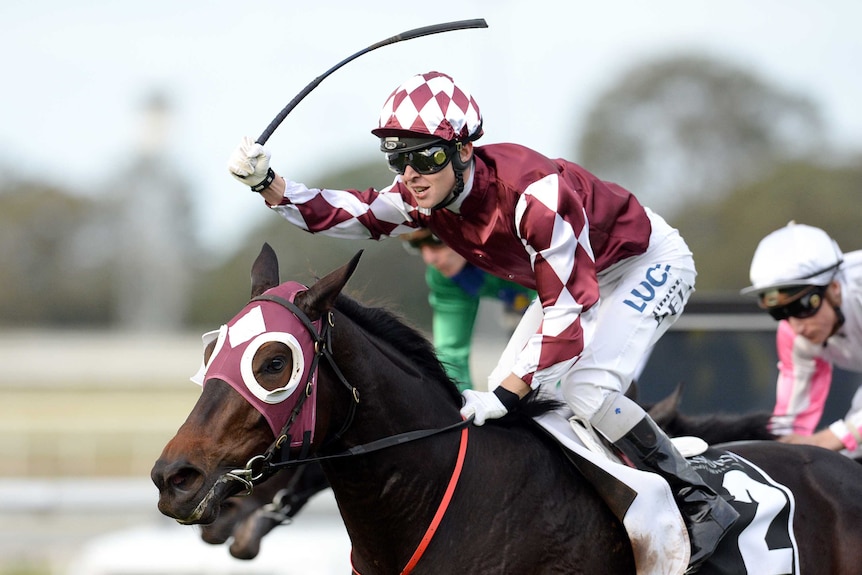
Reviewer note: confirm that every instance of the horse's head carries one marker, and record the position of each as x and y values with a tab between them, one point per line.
257	378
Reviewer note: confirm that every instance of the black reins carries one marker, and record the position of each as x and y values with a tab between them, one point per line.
277	455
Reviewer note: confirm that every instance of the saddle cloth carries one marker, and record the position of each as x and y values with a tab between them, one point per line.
761	542
649	513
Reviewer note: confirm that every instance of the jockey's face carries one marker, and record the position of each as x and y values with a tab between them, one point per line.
818	327
431	189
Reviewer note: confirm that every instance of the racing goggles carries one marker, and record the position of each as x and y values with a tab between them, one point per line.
429	240
414	246
781	305
426	161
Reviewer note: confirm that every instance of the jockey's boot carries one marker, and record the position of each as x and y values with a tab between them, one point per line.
707	516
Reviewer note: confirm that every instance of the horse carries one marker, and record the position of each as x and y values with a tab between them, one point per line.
713	428
246	520
384	423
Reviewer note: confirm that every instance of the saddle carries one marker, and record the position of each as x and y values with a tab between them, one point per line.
761	541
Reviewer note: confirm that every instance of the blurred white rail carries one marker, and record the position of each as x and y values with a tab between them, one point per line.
85	526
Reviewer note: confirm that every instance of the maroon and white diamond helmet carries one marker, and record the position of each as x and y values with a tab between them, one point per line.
795	255
430	106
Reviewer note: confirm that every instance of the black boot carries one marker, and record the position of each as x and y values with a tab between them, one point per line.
707	516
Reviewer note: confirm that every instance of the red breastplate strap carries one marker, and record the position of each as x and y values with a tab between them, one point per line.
441	510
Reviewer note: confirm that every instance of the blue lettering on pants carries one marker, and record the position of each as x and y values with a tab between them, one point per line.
654	279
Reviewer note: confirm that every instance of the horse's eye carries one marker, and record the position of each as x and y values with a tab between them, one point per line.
276	364
272	365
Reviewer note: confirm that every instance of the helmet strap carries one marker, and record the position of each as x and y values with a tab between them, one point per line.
456	191
835	302
839	319
458	166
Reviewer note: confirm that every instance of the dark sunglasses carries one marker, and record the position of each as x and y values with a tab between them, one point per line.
415	246
805	306
431	240
426	161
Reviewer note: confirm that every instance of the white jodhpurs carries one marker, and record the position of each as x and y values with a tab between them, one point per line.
639	299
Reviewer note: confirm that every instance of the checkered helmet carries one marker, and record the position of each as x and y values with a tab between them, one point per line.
430	106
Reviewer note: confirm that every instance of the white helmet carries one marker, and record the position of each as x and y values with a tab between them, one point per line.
795	255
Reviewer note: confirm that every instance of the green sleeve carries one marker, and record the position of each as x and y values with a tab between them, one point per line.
454	313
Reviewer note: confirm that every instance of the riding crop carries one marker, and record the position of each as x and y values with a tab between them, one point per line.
408	35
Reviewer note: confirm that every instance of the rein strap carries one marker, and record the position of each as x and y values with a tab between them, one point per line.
376	445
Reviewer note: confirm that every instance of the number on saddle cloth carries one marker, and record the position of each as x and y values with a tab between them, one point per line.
762	540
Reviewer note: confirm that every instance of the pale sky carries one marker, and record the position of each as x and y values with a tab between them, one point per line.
75	74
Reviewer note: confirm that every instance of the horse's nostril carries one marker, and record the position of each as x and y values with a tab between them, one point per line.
174	477
178	480
182	479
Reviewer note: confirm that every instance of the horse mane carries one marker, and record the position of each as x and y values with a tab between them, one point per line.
713	428
721	428
386	325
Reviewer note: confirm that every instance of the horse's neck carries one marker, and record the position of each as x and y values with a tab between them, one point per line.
378	492
388	499
393	395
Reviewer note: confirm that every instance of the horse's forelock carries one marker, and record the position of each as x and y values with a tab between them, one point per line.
386	325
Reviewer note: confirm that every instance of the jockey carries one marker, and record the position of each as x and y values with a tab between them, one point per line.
455	288
611	275
803	280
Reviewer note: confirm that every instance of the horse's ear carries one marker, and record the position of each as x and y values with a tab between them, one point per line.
320	297
666	410
264	271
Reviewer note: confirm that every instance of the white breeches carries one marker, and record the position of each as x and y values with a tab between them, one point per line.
639	299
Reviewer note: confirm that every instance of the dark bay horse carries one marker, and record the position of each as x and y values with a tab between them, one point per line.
713	428
517	505
245	520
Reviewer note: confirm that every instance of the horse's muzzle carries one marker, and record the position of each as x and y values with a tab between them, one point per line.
185	494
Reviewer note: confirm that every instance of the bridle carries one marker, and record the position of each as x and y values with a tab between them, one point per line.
277	456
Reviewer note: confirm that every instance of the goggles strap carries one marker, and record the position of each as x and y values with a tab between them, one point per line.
834	266
453	195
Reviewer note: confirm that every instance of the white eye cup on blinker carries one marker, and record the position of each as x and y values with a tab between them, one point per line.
207	338
247	371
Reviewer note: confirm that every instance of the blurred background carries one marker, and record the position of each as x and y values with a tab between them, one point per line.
123	236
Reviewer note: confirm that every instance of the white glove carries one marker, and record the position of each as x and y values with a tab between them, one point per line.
483	405
249	163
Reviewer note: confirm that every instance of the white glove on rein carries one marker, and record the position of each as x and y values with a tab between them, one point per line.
483	405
